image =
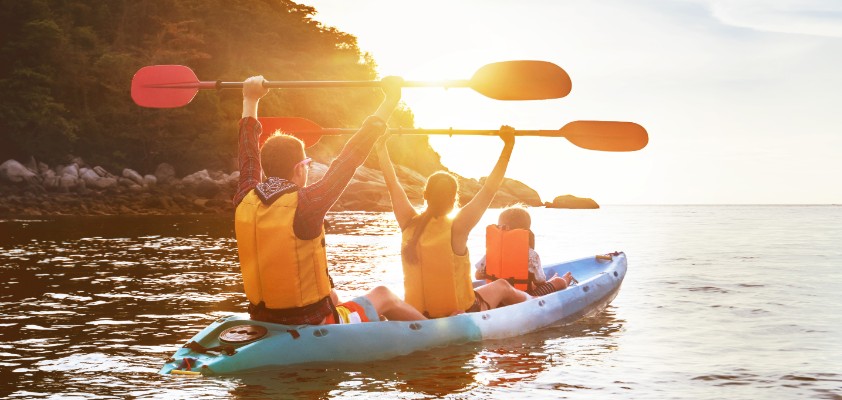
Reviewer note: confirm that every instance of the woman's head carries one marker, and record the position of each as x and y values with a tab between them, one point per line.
441	193
515	217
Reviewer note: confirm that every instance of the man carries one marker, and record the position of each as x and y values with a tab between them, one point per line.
279	222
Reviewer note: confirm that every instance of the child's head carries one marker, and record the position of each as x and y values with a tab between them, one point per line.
515	217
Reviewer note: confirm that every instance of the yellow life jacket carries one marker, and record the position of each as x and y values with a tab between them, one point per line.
278	268
440	283
507	256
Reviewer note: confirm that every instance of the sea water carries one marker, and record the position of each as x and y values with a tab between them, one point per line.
738	302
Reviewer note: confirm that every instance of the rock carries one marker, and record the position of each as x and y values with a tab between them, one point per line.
68	182
201	184
32	165
317	171
196	177
165	172
88	175
522	192
52	182
570	201
217	175
102	172
101	183
70	170
150	180
15	172
43	168
133	175
125	182
365	174
78	161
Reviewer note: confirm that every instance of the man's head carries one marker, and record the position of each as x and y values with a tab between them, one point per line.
281	156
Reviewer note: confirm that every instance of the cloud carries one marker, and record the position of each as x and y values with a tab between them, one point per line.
805	17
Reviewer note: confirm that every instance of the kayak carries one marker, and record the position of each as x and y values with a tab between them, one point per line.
236	344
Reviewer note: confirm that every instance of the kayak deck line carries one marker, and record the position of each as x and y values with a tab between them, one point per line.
206	353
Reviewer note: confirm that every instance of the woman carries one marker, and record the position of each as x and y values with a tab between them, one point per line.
436	266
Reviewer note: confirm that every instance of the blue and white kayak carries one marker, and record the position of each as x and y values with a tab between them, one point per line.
235	344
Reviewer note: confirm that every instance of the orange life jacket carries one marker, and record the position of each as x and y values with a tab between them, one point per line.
278	268
507	256
440	283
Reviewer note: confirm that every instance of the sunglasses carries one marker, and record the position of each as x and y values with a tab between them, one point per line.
305	162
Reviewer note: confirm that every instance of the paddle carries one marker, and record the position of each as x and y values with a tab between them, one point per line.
170	86
591	135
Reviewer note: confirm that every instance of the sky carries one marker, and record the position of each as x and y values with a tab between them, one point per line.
742	99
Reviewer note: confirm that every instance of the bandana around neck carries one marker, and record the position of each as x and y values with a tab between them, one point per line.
273	188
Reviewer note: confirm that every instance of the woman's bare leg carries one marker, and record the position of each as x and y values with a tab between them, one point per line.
391	306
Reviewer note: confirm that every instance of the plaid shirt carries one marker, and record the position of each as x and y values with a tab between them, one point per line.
314	200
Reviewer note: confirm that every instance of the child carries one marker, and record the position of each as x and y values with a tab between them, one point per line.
510	219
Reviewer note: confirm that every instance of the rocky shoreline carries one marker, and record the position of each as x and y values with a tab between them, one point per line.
36	189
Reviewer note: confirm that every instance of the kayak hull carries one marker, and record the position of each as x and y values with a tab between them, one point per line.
283	345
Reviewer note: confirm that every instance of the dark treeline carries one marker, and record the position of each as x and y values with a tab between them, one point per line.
66	68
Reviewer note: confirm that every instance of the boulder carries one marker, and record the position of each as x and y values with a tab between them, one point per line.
165	172
503	199
70	170
15	172
101	183
133	175
125	182
68	182
196	177
32	165
149	180
102	172
201	183
51	182
522	192
88	175
317	171
43	168
570	201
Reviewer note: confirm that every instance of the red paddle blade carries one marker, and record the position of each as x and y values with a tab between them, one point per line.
522	80
164	86
606	135
302	128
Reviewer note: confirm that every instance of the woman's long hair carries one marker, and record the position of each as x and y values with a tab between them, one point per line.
440	193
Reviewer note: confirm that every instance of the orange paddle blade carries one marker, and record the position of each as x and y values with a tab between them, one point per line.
606	135
302	128
521	80
164	86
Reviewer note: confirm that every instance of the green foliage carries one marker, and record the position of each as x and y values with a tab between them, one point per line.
66	68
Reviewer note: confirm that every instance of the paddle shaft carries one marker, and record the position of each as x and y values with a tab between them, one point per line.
218	85
449	132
